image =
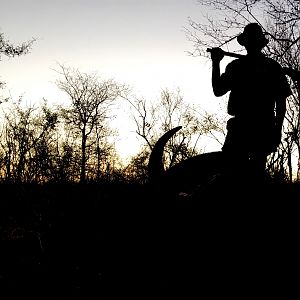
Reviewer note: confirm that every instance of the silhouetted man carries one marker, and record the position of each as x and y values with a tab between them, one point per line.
257	102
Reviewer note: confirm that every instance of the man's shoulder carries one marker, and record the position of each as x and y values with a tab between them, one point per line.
273	63
235	64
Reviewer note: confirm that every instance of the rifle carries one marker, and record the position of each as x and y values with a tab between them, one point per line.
231	54
294	74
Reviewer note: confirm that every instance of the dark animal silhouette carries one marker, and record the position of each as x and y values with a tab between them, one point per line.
185	176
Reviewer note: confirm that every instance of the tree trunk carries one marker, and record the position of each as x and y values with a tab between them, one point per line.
83	157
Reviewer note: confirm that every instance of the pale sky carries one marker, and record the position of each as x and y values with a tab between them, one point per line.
137	42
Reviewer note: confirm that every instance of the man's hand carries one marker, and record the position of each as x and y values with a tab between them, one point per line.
216	54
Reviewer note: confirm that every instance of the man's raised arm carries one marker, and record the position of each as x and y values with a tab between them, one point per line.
217	55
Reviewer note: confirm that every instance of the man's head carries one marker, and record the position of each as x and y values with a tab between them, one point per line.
252	37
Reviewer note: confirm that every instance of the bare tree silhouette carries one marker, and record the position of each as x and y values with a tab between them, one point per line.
91	100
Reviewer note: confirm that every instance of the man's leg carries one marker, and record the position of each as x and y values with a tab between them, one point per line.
235	150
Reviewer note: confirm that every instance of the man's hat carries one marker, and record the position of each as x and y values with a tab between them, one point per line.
252	34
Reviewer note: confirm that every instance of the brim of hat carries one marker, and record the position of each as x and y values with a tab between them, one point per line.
244	41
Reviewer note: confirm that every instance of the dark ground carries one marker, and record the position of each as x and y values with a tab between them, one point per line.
130	242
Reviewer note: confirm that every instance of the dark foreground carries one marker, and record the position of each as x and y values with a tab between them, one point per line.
122	241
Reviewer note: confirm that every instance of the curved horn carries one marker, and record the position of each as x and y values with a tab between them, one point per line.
155	165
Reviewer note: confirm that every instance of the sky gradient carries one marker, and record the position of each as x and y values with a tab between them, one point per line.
137	42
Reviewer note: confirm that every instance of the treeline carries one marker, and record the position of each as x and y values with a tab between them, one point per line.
38	145
73	143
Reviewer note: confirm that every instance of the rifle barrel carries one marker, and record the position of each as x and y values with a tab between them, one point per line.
231	54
